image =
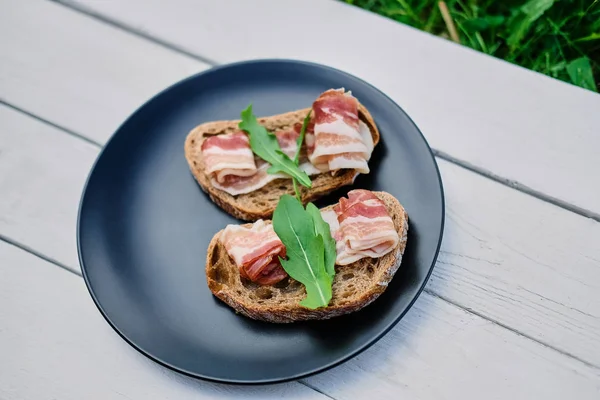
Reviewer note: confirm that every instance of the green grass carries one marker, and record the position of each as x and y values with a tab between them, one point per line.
559	38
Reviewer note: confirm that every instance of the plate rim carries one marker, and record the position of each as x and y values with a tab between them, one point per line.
268	381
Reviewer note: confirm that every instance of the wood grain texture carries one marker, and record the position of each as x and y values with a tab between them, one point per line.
55	344
441	352
42	174
522	262
526	264
80	64
514	122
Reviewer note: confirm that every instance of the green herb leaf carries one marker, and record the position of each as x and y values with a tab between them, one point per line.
322	229
580	72
264	144
304	249
301	137
299	147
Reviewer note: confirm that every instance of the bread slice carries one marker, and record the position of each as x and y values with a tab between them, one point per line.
262	202
354	286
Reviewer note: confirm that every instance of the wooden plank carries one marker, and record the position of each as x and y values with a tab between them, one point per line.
42	173
522	262
438	351
525	263
56	345
78	72
518	279
516	123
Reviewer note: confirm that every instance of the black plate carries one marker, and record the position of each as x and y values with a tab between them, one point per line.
144	226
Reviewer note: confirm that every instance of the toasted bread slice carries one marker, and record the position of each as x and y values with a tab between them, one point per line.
262	202
354	286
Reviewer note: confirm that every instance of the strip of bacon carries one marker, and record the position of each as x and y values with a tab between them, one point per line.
239	184
256	251
335	139
227	156
360	225
330	216
365	228
288	141
340	139
235	185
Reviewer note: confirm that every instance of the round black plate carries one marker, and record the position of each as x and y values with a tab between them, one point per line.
144	226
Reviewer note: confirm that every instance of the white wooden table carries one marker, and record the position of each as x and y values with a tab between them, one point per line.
512	310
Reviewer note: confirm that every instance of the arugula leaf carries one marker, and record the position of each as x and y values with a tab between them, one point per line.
304	249
299	147
301	137
323	230
264	144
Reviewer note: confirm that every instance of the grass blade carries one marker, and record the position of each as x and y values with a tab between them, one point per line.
524	18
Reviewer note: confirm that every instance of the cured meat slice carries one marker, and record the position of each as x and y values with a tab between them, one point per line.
365	228
228	156
360	225
256	251
340	140
240	184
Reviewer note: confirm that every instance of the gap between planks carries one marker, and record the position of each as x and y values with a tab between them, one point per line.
36	253
52	124
136	32
430	292
438	153
517	186
509	328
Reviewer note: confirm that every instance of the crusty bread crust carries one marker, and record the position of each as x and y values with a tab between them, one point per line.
262	202
354	286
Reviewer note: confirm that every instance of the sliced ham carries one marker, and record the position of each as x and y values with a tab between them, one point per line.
365	228
227	156
256	251
340	140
